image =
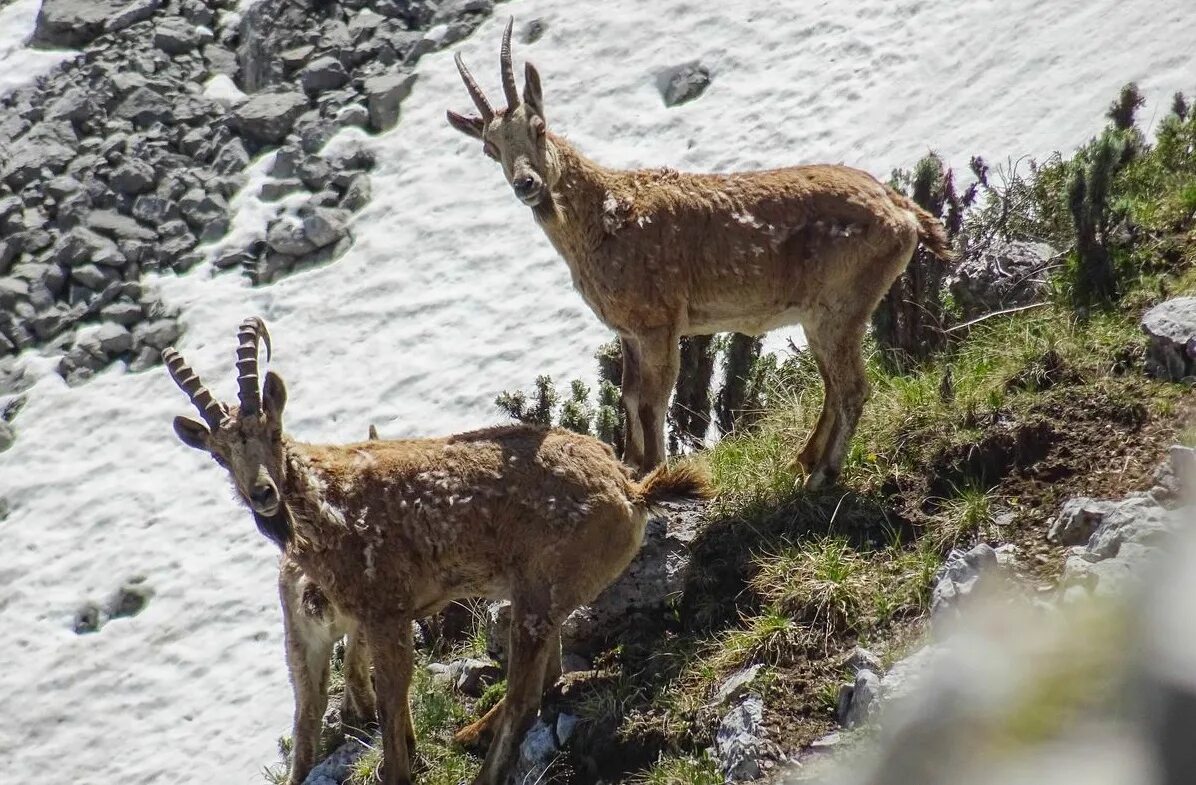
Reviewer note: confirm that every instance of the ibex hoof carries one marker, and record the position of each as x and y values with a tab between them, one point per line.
821	478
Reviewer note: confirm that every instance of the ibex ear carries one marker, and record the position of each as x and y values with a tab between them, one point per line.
470	126
373	433
532	95
274	396
192	433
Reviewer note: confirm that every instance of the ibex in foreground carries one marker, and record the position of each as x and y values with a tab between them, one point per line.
391	531
659	254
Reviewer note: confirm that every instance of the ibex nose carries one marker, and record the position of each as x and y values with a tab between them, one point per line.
262	495
523	185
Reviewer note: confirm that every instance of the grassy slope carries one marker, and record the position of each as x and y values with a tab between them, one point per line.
979	445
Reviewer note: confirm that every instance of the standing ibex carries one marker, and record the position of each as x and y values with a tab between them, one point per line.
659	254
391	531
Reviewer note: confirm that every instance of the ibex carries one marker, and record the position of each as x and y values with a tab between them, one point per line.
659	254
391	531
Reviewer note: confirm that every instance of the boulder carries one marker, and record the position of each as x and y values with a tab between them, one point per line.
71	24
1004	274
384	93
144	107
288	238
1078	519
175	36
859	701
82	246
324	73
133	177
959	576
325	226
268	117
1171	328
736	685
114	339
119	227
159	333
683	83
739	744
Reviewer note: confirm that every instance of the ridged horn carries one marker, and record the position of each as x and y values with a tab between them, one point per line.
508	70
475	92
251	332
212	411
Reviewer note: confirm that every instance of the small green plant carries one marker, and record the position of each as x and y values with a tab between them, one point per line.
967	515
823	583
771	637
490	697
686	770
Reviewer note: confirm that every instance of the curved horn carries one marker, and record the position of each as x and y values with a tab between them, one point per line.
252	331
210	409
475	92
508	70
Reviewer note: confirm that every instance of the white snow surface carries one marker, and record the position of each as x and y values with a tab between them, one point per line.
19	64
450	295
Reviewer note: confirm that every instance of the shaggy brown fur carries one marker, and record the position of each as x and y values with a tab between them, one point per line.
392	531
659	254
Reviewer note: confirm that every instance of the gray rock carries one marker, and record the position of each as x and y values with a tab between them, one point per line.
146	358
1171	327
155	210
471	676
63	187
325	73
536	753
357	193
384	94
124	313
144	107
159	333
83	246
206	214
232	158
119	227
273	190
113	338
325	226
132	13
314	172
683	83
353	115
10	249
1137	519
861	659
134	176
1175	479
70	24
859	701
1002	275
12	290
338	766
288	238
28	157
269	117
93	276
739	743
959	576
736	685
76	105
1078	519
175	36
7	436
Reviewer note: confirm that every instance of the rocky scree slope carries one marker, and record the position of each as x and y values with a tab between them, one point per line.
122	162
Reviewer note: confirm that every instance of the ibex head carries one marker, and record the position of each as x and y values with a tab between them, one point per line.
245	439
514	136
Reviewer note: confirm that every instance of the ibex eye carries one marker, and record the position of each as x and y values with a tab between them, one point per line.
490	150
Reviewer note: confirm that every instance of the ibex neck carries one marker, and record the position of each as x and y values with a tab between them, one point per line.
314	519
577	199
